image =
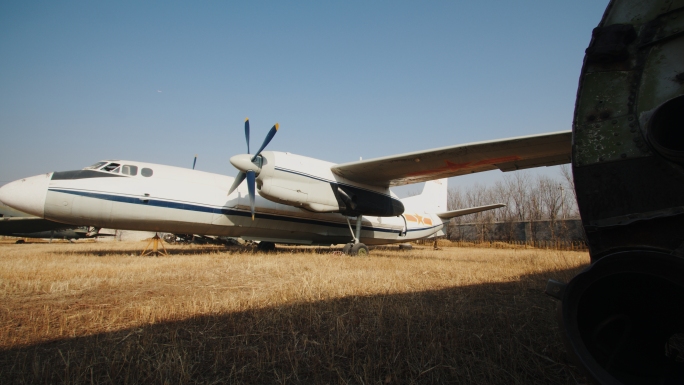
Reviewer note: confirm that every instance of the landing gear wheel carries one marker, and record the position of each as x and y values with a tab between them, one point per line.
359	250
266	247
347	248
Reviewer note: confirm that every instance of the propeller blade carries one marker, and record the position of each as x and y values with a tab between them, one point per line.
267	140
238	179
194	162
247	133
250	186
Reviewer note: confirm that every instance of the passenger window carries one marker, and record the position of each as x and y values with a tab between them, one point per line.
146	171
111	167
129	170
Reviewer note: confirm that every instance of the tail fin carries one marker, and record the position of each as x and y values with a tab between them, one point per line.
433	199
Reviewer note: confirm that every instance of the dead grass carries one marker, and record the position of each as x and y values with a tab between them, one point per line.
97	312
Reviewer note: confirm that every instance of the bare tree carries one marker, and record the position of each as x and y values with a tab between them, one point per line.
549	195
518	185
529	198
480	195
570	208
455	201
504	215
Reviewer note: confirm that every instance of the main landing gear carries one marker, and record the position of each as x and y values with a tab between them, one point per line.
355	248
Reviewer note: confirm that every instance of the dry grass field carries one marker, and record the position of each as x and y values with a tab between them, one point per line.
98	313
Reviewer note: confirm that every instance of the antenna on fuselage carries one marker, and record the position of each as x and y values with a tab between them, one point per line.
194	162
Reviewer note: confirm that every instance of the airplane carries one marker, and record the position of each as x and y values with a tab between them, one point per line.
300	200
19	224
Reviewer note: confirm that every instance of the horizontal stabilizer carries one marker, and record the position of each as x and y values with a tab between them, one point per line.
471	210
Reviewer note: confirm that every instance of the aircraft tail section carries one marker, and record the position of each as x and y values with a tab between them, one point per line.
433	199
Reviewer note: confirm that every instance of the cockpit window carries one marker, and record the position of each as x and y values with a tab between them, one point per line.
95	166
129	170
112	167
146	171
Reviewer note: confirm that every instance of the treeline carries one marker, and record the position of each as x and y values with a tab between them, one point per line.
529	197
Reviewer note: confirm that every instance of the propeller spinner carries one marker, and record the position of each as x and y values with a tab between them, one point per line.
249	165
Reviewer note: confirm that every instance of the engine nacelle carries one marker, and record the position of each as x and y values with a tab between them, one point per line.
309	183
307	196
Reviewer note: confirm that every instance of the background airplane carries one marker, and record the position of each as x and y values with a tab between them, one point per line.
19	224
300	200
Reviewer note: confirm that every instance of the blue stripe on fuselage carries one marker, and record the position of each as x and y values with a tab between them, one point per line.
214	210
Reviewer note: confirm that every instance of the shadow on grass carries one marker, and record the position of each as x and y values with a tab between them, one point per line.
97	249
206	249
171	250
498	333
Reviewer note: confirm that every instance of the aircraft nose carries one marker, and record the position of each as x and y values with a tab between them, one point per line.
27	195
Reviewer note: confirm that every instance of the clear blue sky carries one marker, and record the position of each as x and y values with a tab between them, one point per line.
163	81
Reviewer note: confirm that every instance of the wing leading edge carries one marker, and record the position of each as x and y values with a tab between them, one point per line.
504	154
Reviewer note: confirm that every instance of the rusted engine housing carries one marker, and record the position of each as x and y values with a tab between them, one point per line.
623	317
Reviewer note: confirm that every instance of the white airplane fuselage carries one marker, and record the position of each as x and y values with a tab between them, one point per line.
179	200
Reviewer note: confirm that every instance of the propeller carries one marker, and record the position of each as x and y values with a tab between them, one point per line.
248	165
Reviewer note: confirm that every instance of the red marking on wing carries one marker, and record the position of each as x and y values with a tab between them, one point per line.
449	166
497	160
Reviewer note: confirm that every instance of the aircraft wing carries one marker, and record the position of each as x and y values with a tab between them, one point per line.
504	154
